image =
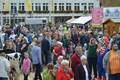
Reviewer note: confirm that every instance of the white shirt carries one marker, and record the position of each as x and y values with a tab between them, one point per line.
12	36
4	67
86	72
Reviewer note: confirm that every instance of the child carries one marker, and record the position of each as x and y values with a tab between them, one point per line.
26	66
49	72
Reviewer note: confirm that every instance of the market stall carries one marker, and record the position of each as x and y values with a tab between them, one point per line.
111	25
82	21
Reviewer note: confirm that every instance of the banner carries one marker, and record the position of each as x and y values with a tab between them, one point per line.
97	15
28	5
111	12
6	6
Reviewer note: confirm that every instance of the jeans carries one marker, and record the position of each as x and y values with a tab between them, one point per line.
38	70
114	76
3	78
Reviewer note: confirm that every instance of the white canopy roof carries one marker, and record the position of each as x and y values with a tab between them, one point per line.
82	20
70	20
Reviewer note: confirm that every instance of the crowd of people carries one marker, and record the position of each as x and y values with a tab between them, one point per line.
59	53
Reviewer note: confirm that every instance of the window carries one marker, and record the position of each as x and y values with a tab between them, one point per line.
91	5
37	6
77	7
13	8
45	6
33	6
21	7
84	6
61	6
55	6
3	5
5	20
68	7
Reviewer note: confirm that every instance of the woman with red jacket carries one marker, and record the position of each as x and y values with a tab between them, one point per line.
58	50
64	72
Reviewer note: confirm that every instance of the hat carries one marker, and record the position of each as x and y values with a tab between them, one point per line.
64	62
83	57
60	57
60	43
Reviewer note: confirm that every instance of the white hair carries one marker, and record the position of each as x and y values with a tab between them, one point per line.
83	57
60	43
64	62
60	57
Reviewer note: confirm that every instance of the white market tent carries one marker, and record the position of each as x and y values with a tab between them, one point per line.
70	20
82	20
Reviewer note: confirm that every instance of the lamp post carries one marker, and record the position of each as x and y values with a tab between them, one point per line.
51	11
73	11
13	17
1	18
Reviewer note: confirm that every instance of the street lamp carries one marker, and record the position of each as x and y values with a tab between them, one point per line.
13	19
51	11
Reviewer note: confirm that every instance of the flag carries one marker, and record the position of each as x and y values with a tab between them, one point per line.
28	5
6	6
97	15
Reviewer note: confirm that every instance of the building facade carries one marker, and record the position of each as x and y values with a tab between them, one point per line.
56	11
110	3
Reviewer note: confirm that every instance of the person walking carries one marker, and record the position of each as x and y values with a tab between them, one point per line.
45	45
82	71
58	51
37	59
4	66
111	63
64	72
26	66
92	57
75	59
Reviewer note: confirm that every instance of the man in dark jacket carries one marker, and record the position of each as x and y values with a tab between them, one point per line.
46	57
82	71
74	38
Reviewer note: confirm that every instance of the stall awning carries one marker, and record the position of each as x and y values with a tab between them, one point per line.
116	20
70	20
82	20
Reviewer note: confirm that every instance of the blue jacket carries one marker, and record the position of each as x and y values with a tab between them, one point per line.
36	55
